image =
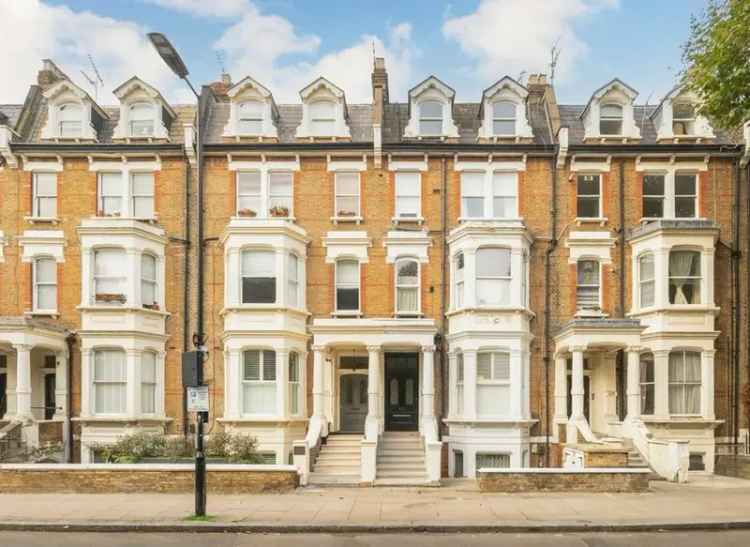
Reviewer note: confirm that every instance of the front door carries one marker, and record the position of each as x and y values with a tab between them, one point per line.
3	396
49	396
353	402
401	392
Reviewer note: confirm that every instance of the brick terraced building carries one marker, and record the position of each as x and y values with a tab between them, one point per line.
391	291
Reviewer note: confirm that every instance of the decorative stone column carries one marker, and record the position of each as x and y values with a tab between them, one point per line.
319	417
707	383
87	407
561	388
453	409
372	422
470	384
429	424
23	382
576	387
282	383
133	382
633	390
661	383
232	397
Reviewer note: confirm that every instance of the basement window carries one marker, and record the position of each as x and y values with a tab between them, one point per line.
492	461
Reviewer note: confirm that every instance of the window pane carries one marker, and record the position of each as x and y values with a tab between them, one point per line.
431	127
251	109
473	207
588	272
504	127
347	183
431	109
653	207
259	398
143	184
493	292
347	299
493	262
347	271
280	184
683	111
46	297
258	290
684	207
504	207
70	112
588	207
407	206
484	366
347	206
492	461
504	184
503	109
407	184
610	127
46	184
684	263
588	185
250	127
653	185
259	263
109	262
322	128
493	400
251	365
45	270
322	110
248	182
684	185
502	366
472	184
611	111
407	273
269	365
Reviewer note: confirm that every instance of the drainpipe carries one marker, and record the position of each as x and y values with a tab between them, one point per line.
444	276
547	298
70	340
186	291
621	295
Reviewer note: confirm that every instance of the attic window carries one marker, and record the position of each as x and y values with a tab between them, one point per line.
504	118
322	118
142	120
69	120
250	118
610	120
431	118
683	119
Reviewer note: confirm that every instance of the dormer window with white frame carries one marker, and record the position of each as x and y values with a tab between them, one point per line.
70	117
609	113
324	112
677	118
144	114
252	111
503	111
431	111
71	114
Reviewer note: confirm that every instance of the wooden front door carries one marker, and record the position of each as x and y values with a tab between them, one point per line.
401	392
353	397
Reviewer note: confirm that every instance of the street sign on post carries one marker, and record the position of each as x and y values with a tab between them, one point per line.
197	399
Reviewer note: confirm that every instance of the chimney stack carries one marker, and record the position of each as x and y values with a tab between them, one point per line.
379	100
49	75
541	91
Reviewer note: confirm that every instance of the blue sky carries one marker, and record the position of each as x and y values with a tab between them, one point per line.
285	44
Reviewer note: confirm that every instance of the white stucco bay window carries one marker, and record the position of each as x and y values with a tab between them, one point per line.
493	276
493	383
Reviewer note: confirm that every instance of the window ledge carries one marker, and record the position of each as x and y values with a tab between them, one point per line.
263	418
122	419
262	218
345	314
125	308
42	220
344	219
42	313
601	221
598	314
693	308
408	220
406	315
514	220
491	309
262	307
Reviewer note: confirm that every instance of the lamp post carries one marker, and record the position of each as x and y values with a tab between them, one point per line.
169	55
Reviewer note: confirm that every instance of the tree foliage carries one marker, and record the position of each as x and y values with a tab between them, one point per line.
717	61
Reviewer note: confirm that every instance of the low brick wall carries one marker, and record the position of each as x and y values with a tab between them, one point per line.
563	480
596	455
733	466
114	478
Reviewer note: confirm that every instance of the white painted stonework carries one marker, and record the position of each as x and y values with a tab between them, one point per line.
66	92
663	118
615	92
249	89
506	89
135	91
431	89
323	90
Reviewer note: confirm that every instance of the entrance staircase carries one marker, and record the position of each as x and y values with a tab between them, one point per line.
401	460
12	447
338	461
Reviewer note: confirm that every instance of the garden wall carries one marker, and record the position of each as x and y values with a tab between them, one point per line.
563	480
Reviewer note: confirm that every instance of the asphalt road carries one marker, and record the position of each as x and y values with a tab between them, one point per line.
656	539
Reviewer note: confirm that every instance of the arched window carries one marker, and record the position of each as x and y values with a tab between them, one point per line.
431	118
610	119
587	285
493	276
258	277
684	382
684	277
458	294
45	284
322	118
347	285
141	120
683	118
148	382
109	382
148	281
493	383
110	276
647	280
70	120
407	286
250	118
646	375
259	382
503	118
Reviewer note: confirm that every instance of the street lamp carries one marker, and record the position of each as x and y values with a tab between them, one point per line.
193	359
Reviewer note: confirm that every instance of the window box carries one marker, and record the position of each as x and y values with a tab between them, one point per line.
151	307
247	213
279	211
110	298
345	214
101	213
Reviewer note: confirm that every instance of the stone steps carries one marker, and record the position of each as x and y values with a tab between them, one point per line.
400	460
338	462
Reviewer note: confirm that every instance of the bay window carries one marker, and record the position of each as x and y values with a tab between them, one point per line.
141	120
259	382
431	118
647	280
110	276
493	383
258	277
347	285
295	385
45	195
110	194
109	382
45	284
250	118
148	281
148	382
493	276
684	382
70	120
653	196
503	118
407	286
685	195
408	194
504	194
248	193
322	118
588	196
142	195
684	277
292	280
646	374
587	285
458	296
280	193
347	195
472	194
610	119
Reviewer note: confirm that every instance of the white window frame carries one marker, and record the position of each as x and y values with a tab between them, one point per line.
338	285
701	284
505	119
293	283
696	203
61	121
503	278
417	194
38	196
459	284
276	276
148	385
398	287
483	195
422	118
250	117
493	381
261	381
38	284
513	196
315	120
620	118
153	283
600	211
460	383
122	277
524	279
295	384
598	285
685	383
259	196
689	121
136	197
289	203
663	196
646	384
337	209
132	121
101	211
642	281
122	381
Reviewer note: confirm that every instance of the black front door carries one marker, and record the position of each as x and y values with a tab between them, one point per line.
401	392
49	396
3	399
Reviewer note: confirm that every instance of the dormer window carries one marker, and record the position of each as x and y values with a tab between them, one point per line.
322	118
250	118
430	118
683	119
141	120
503	118
69	117
610	119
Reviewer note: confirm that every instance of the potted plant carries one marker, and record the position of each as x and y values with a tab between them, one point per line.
110	298
279	211
344	213
248	213
153	306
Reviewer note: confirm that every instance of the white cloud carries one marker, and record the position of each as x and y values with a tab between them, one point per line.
33	31
204	8
510	36
261	45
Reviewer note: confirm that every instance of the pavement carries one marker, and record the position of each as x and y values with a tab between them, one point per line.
705	503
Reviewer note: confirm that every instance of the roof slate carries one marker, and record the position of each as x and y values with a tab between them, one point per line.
9	114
